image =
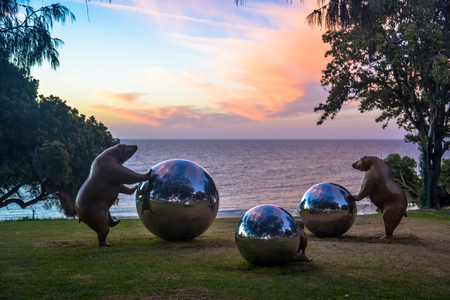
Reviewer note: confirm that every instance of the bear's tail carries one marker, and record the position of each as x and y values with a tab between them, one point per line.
79	220
405	215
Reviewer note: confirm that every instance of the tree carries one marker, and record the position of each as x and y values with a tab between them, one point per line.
404	174
26	40
401	67
46	147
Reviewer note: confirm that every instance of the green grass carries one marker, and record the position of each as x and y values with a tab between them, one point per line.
443	215
59	259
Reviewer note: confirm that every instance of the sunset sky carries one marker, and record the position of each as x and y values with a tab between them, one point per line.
199	69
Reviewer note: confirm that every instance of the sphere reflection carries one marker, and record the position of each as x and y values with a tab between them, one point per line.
267	235
325	211
179	202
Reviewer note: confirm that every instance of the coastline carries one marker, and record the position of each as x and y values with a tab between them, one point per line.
249	173
364	208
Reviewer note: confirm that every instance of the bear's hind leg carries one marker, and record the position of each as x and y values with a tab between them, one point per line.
102	228
391	218
112	222
102	238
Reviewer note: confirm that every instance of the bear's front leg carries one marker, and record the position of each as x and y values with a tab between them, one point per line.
126	190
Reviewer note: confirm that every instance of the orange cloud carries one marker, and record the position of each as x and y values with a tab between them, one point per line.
259	68
119	97
259	73
257	79
172	116
127	114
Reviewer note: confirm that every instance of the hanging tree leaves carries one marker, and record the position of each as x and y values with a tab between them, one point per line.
334	14
25	38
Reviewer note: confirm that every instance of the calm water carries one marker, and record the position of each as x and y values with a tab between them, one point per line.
252	172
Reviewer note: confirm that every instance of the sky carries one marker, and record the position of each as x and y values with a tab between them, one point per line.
199	69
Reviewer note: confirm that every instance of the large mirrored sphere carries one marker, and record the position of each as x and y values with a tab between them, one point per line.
180	203
267	235
325	211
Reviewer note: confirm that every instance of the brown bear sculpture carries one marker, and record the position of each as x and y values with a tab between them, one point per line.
100	190
380	187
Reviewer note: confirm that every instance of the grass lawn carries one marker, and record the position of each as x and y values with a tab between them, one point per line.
60	259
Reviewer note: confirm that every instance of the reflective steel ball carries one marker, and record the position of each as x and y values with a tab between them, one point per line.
179	202
267	235
325	211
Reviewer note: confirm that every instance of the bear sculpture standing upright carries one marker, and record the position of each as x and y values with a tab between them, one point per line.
379	185
100	190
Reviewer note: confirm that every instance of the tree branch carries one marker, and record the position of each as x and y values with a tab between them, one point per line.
11	192
418	124
22	203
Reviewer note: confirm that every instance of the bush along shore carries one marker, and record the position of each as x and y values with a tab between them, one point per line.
60	259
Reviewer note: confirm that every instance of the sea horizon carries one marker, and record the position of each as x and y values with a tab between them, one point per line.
286	139
251	172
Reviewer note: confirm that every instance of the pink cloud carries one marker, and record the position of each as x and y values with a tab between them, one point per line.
258	79
119	97
258	71
172	116
258	74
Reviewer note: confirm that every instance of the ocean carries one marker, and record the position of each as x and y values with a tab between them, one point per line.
248	173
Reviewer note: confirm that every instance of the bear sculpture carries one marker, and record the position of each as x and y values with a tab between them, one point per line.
379	186
100	190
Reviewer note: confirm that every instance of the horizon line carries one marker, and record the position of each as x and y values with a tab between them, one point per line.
317	139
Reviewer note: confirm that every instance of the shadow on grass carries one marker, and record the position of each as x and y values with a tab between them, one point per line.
406	240
288	269
149	243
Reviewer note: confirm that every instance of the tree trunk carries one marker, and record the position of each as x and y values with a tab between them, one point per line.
431	169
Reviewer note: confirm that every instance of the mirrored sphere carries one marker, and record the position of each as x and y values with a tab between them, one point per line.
180	203
267	235
325	211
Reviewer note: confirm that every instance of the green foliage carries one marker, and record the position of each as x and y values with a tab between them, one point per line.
444	182
404	173
46	147
444	178
400	67
25	38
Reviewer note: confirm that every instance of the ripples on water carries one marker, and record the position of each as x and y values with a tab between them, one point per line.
253	172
